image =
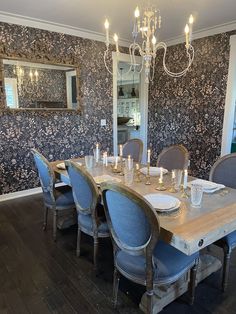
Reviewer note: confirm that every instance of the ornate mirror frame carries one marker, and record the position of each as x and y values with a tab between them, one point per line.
49	61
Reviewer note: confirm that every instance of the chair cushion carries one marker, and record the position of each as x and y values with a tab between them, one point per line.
169	264
85	221
231	239
63	196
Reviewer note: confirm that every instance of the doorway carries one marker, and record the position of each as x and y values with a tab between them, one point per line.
228	144
130	103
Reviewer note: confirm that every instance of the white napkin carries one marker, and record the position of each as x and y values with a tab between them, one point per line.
208	186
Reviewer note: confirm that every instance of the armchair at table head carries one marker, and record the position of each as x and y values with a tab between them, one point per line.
138	255
55	198
224	172
173	157
134	148
91	219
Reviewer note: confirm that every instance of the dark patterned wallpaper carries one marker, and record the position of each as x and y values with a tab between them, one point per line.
51	86
58	135
189	110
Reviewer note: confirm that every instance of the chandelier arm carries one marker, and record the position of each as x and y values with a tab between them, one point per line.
190	60
104	58
133	47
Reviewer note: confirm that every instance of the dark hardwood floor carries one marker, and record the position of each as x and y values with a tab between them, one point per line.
40	276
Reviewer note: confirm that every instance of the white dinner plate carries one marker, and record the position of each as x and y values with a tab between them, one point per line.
154	171
105	178
62	165
163	202
208	186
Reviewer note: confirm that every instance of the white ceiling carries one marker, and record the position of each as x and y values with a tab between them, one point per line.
90	14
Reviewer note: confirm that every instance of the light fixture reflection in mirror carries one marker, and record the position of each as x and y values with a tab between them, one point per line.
34	85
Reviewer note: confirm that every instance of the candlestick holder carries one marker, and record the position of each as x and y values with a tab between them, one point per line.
172	188
148	182
137	178
184	192
121	167
161	187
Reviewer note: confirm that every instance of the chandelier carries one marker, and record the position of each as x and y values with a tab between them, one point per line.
147	25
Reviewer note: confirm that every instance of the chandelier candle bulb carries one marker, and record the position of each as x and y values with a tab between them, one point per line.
187	35
115	37
190	21
116	163
106	24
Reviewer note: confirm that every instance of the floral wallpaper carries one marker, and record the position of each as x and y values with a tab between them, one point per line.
49	87
189	110
57	134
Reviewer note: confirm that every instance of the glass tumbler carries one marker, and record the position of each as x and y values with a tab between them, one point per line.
196	195
178	178
128	176
89	161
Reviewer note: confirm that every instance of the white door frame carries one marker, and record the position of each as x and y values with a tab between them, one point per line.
143	97
69	88
229	101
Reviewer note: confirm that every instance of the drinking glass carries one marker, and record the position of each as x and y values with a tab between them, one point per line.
178	178
89	161
196	194
129	163
128	176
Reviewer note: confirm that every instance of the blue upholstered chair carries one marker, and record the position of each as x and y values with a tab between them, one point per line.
55	198
138	253
91	217
173	157
134	148
224	172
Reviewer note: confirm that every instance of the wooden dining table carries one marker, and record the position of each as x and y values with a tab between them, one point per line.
188	229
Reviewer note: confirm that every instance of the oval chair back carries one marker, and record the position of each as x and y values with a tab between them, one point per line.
224	171
134	148
132	221
173	157
85	191
46	176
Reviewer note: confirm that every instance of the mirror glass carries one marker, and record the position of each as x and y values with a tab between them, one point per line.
35	85
128	104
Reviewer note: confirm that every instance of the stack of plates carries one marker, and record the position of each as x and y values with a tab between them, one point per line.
208	186
62	165
105	178
163	202
154	171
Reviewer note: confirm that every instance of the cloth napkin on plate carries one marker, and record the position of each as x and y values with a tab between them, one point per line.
208	186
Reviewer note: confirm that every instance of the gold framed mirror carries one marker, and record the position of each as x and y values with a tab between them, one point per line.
30	85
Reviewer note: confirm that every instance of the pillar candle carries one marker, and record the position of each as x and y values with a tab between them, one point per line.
185	179
121	150
148	155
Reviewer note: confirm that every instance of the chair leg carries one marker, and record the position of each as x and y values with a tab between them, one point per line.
55	224
227	254
95	252
78	242
192	283
45	218
116	280
149	294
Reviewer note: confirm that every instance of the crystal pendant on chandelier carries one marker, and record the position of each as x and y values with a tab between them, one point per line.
146	28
